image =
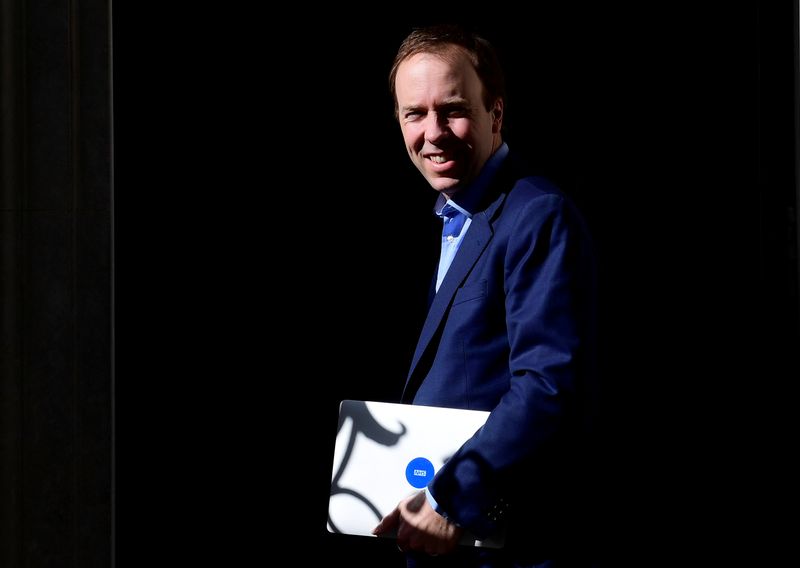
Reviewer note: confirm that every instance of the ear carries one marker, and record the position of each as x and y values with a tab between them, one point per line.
497	116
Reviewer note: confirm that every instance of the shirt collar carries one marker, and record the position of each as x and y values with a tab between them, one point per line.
469	197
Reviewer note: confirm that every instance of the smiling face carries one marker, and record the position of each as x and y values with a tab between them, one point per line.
447	130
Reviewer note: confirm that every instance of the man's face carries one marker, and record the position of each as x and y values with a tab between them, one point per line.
447	130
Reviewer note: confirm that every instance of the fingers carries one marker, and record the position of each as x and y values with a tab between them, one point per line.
404	532
419	527
388	523
409	538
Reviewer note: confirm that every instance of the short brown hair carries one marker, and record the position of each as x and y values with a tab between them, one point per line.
446	41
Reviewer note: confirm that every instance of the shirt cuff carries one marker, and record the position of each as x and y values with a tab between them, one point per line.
431	501
435	506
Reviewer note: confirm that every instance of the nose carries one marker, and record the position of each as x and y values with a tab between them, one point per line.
436	127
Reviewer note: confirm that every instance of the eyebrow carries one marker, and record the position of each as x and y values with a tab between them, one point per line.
453	102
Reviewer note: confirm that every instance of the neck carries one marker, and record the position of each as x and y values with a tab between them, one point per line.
496	143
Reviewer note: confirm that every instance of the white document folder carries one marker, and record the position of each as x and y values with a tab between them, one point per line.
384	452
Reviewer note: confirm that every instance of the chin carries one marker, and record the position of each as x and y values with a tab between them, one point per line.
443	184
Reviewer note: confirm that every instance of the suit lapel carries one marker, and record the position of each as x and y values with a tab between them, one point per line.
475	241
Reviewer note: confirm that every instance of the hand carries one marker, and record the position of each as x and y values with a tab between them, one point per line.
419	527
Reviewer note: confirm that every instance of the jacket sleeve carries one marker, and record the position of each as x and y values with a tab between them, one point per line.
548	276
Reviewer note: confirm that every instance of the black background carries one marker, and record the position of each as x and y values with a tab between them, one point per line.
273	254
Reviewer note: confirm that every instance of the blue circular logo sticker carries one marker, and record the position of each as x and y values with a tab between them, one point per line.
419	472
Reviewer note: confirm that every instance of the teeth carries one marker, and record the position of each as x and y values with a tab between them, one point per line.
438	159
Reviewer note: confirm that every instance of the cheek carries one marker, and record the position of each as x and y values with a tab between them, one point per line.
462	130
412	137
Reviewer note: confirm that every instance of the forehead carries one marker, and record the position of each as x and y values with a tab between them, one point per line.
432	74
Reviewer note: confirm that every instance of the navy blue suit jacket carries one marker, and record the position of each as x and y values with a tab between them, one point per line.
511	331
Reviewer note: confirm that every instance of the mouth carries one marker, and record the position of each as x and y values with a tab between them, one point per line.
438	159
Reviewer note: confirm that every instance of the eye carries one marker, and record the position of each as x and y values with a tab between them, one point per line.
457	112
412	115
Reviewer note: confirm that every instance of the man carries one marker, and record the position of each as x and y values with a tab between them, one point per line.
509	329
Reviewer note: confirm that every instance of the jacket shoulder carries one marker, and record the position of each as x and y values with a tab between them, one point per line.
534	199
522	180
531	187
